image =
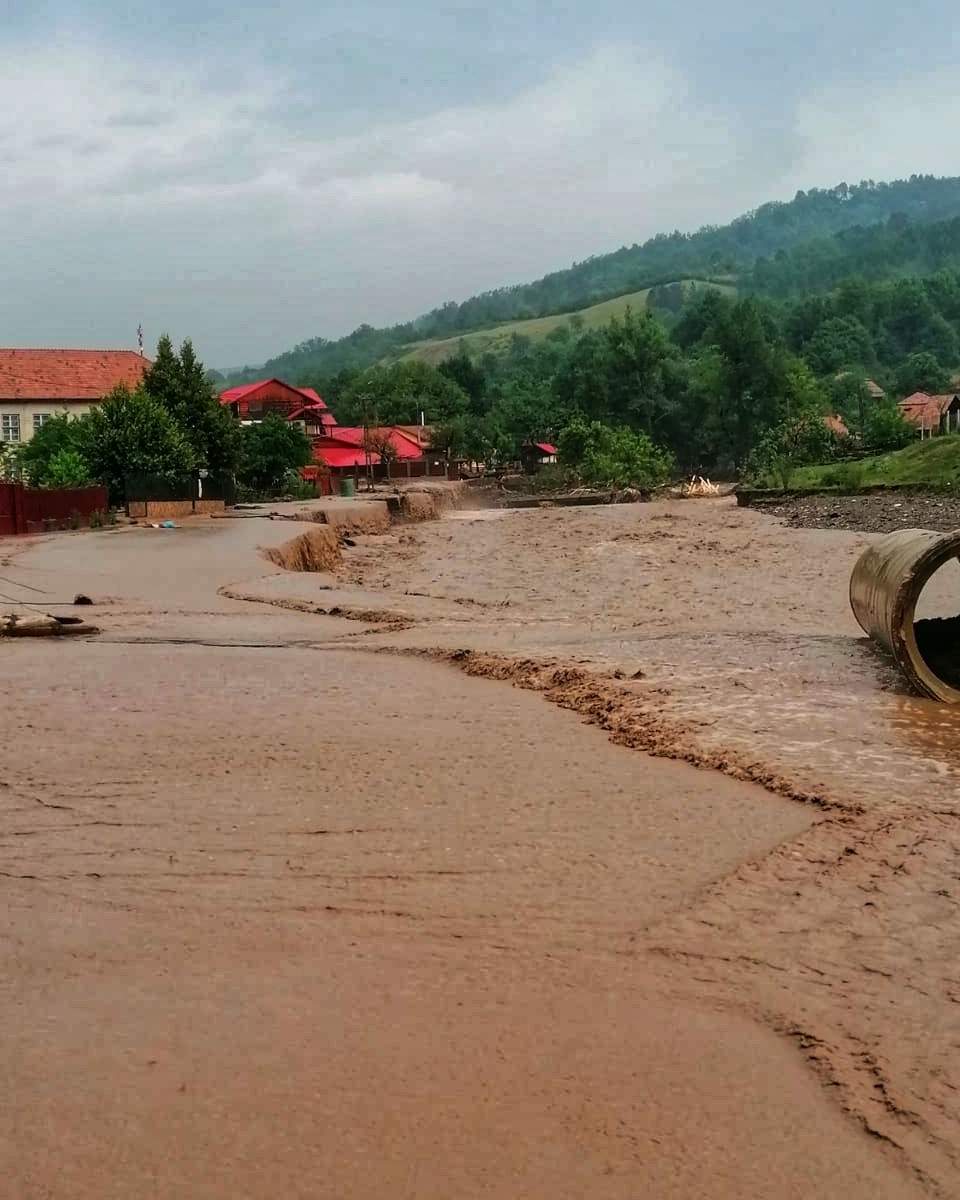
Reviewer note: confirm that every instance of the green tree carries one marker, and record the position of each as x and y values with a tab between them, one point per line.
886	428
625	458
397	394
61	432
839	342
613	457
794	443
66	469
180	383
132	433
922	372
469	377
269	450
450	439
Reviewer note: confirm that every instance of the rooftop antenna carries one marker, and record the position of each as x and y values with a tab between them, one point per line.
140	338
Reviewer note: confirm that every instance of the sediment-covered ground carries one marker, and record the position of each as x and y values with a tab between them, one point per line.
310	906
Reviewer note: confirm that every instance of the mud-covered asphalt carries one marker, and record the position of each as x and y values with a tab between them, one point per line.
321	907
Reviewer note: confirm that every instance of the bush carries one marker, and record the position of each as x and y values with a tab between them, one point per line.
61	433
848	476
885	427
613	457
66	469
801	442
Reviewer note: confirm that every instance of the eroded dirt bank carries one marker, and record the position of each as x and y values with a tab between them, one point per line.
313	919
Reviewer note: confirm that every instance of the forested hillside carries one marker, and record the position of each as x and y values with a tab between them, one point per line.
751	248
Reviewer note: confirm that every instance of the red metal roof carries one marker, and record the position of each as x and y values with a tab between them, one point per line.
247	389
545	447
65	375
404	444
343	456
315	412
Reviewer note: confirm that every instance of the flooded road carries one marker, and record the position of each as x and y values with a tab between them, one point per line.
290	907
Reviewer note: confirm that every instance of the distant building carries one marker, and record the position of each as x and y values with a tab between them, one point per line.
251	402
932	415
390	450
534	455
874	390
37	384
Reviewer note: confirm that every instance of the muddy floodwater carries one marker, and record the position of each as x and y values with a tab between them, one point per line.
543	853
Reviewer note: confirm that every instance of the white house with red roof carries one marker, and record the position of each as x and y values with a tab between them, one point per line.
36	384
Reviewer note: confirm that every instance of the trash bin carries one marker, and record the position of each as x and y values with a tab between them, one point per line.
348	486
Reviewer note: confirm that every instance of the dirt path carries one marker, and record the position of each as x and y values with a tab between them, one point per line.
287	916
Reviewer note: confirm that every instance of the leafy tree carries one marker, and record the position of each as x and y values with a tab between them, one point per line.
180	383
839	342
922	372
269	450
470	378
450	439
66	469
794	443
397	394
61	432
886	428
132	433
613	457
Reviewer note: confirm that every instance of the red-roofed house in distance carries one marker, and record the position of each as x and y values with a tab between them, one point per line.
392	452
251	402
932	415
36	384
534	455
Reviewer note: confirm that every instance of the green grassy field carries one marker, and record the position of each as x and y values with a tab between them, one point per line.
497	339
933	463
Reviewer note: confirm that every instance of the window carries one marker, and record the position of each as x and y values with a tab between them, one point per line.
40	419
9	427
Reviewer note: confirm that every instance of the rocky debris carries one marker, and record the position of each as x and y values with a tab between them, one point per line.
875	512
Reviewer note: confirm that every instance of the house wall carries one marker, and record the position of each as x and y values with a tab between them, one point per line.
26	409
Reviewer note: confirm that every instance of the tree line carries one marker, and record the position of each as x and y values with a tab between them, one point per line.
723	383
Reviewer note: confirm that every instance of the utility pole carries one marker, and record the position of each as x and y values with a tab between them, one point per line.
367	455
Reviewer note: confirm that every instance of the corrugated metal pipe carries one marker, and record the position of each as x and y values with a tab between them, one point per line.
884	589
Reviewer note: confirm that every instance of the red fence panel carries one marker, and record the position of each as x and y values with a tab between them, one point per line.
32	510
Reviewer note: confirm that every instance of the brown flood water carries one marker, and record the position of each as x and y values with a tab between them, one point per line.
312	917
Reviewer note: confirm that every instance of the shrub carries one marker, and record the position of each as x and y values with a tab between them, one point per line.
614	457
66	469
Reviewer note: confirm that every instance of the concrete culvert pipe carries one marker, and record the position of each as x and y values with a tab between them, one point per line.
884	589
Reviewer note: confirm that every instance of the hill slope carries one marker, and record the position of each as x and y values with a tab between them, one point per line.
497	340
934	462
713	250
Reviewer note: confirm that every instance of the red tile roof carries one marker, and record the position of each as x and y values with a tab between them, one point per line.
65	375
925	411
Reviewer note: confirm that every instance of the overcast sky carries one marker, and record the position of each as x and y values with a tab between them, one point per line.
252	175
